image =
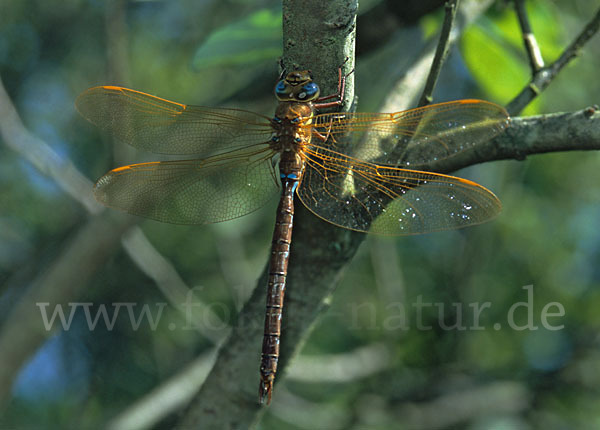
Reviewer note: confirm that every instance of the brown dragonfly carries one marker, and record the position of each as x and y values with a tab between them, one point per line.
355	170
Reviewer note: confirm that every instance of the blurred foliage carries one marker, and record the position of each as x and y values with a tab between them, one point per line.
502	68
201	52
256	38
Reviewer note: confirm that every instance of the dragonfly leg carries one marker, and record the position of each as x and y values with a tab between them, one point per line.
339	95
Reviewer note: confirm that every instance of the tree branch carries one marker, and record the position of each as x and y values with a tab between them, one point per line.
544	76
320	36
441	53
405	89
576	131
536	62
43	158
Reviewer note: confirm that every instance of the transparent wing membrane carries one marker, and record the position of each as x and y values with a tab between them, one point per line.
161	126
413	137
385	200
205	191
360	168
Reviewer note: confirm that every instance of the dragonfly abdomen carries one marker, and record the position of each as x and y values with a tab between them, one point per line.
290	169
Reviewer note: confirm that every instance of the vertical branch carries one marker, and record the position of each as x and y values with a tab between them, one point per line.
318	36
323	36
117	55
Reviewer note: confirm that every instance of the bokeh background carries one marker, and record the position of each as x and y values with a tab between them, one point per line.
367	364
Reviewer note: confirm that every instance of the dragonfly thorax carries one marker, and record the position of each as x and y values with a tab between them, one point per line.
291	125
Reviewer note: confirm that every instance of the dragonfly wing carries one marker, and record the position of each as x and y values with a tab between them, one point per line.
391	201
161	126
204	191
414	137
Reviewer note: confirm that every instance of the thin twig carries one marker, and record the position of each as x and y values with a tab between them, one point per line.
405	90
464	405
343	367
531	46
167	398
116	34
543	77
43	157
180	296
389	278
441	52
176	392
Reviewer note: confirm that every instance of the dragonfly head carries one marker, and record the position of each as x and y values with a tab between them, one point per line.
297	86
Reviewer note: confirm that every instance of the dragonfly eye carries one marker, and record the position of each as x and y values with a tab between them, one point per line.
309	91
281	89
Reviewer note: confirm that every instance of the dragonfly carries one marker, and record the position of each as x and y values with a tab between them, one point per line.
359	171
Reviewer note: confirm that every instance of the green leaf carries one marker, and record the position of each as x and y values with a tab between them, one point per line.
495	55
431	24
494	63
253	39
546	25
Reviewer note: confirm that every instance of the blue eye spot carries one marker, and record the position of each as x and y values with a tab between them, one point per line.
280	88
310	89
